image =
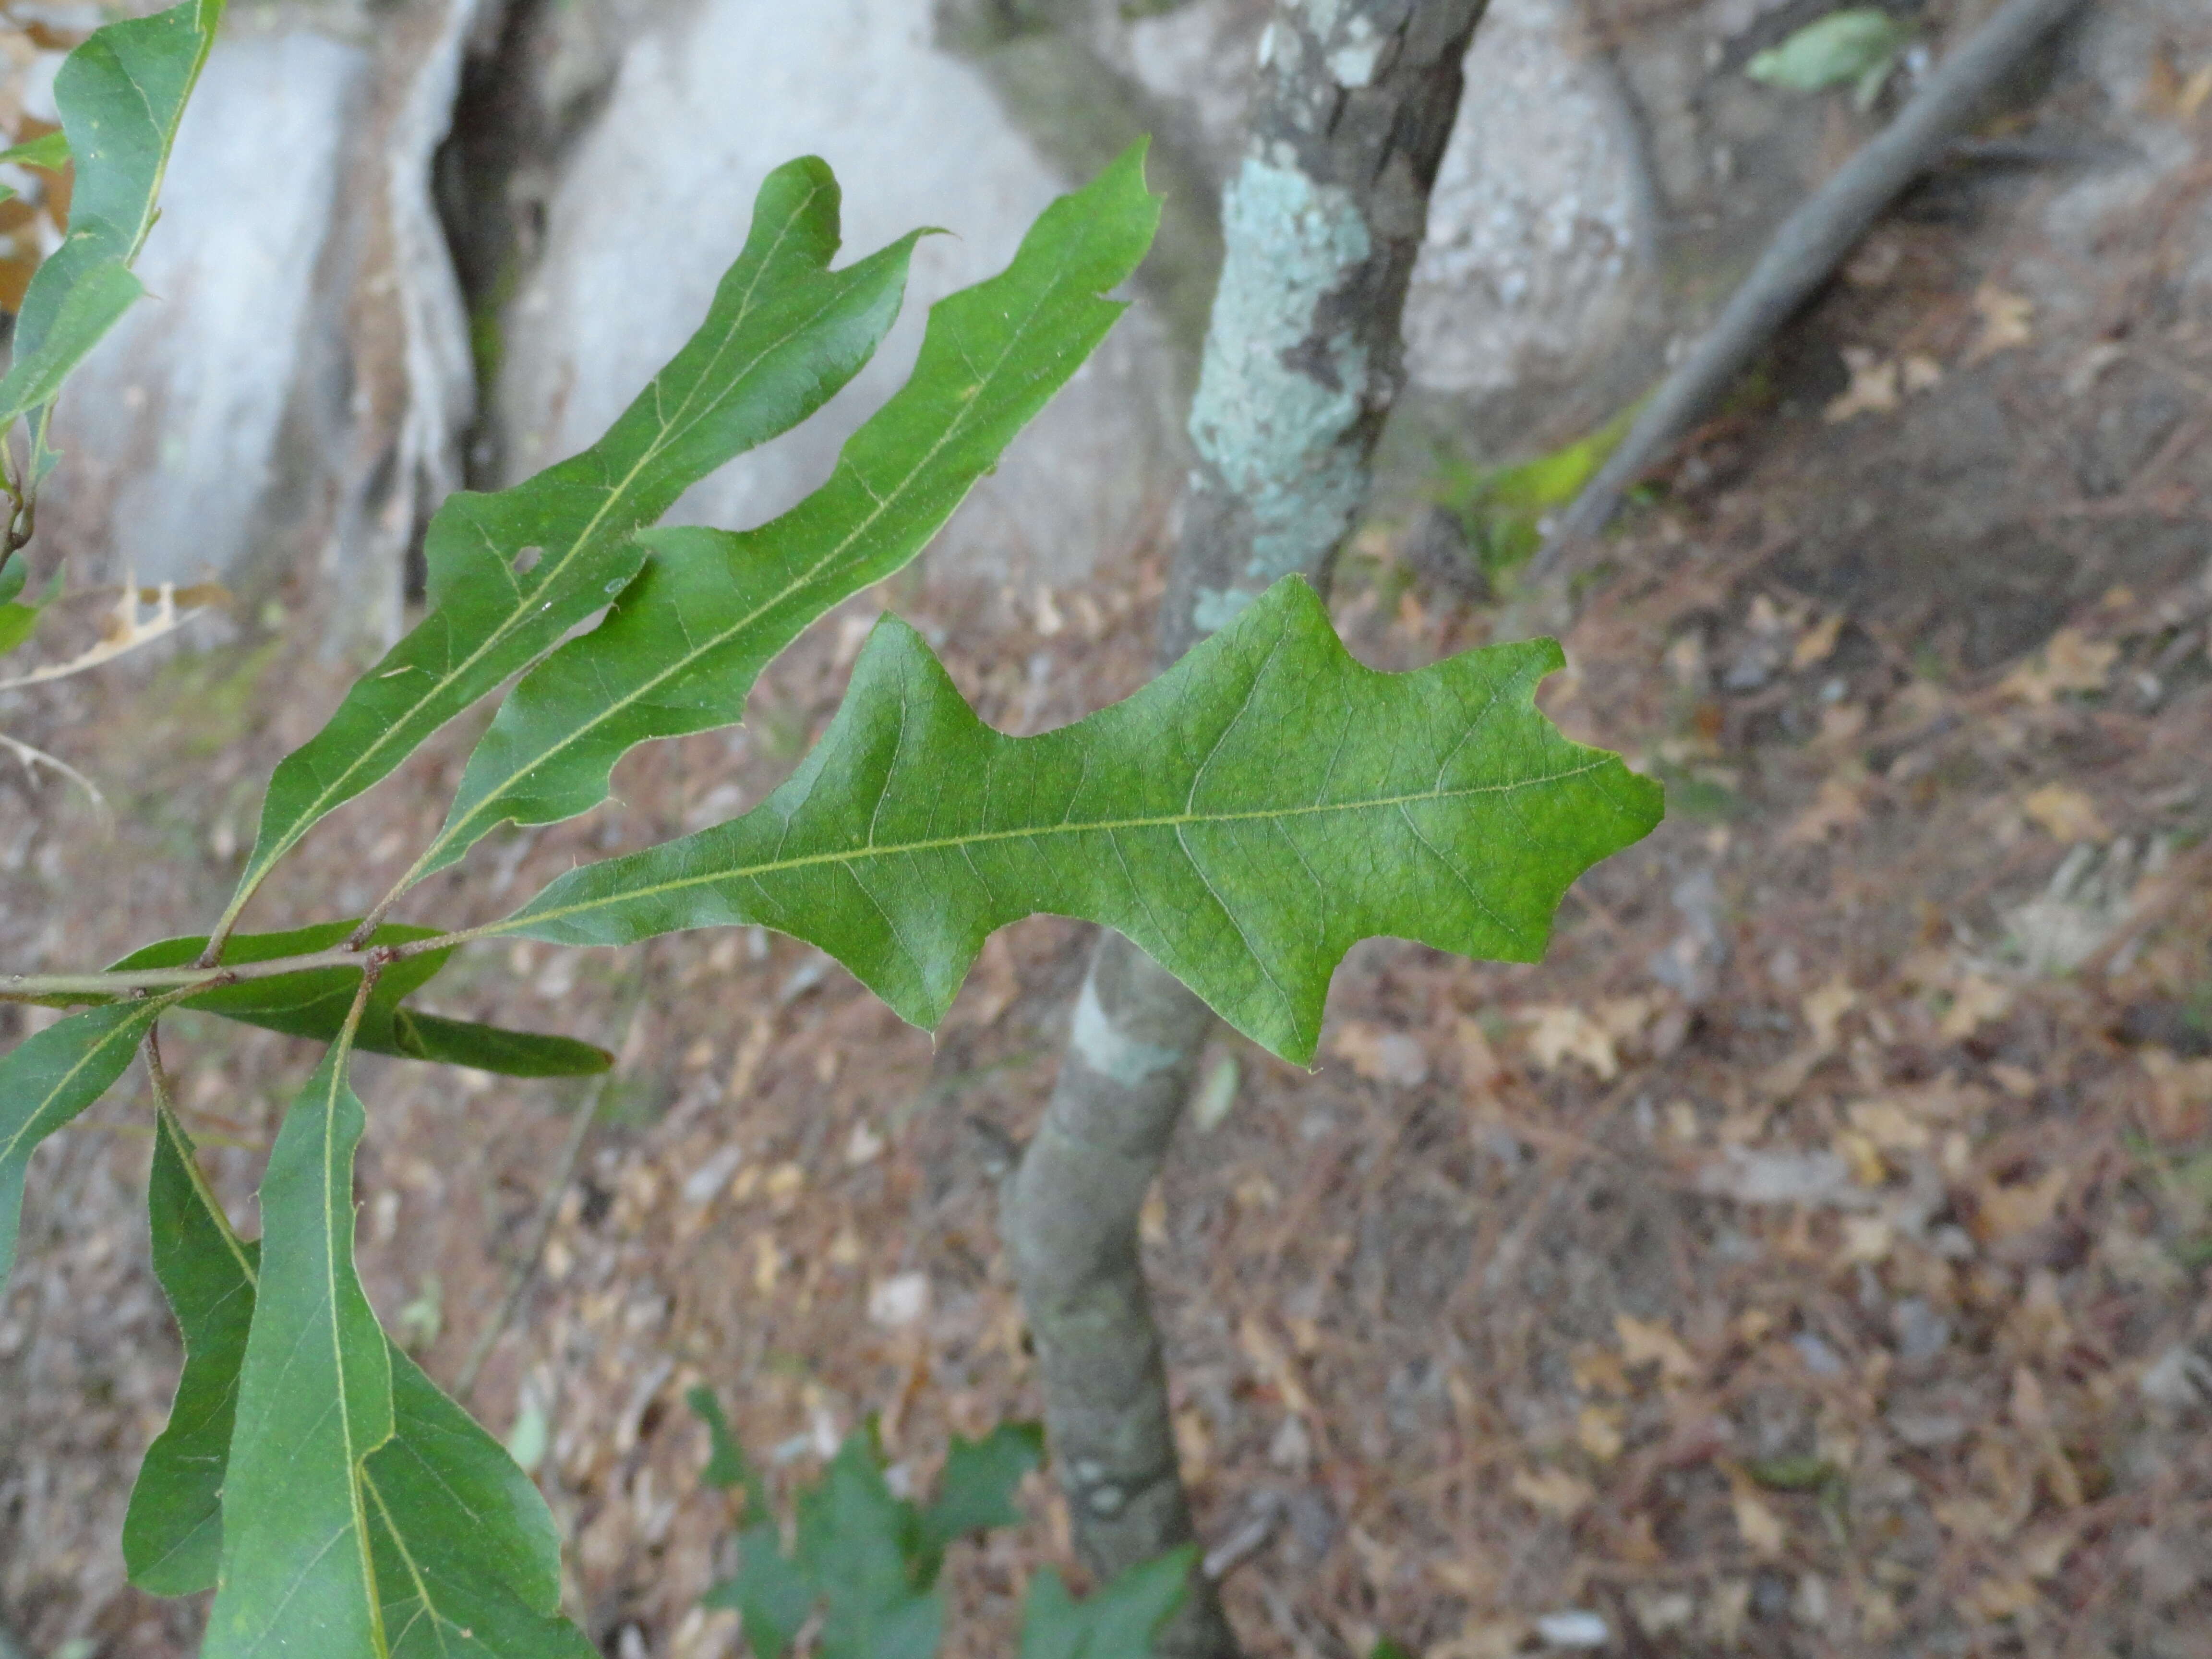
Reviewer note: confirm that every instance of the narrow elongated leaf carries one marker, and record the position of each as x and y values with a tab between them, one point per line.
727	1465
314	1004
510	574
466	1558
173	1534
47	1079
492	1048
1119	1622
682	648
468	1562
49	150
1245	819
103	289
19	620
314	1399
122	96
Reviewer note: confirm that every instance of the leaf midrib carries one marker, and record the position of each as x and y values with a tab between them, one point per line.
882	506
392	731
335	1216
1177	821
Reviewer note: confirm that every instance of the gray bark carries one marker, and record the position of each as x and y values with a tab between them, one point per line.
1302	362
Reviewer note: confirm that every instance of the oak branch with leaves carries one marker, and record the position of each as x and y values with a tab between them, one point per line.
1244	819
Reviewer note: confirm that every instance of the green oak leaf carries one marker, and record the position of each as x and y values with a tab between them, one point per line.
48	1079
466	1558
314	1399
1118	1622
976	1491
868	1557
510	574
1244	819
860	1547
727	1465
49	150
101	290
122	96
172	1533
680	650
315	1002
418	1036
773	1595
19	620
1844	46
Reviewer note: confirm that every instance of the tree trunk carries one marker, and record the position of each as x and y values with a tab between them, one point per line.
1302	362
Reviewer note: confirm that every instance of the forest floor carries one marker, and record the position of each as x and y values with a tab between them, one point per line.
1808	1257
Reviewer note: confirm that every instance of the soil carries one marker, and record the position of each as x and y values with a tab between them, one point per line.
1808	1257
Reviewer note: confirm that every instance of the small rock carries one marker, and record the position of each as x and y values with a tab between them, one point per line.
710	1178
1922	1332
900	1300
1574	1628
1292	1447
1820	1359
2180	1379
1658	1612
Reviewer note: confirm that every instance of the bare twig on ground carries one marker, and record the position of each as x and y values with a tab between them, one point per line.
1807	247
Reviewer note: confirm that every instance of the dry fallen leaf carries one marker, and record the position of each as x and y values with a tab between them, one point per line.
1874	389
1976	1000
1840	804
2180	1094
1562	1033
2067	814
2169	93
2070	662
2002	1598
1763	1532
1818	644
1382	1056
1479	1067
1868	1238
1273	1364
1554	1492
2006	1211
1598	1432
1891	1125
1919	371
1647	1341
1484	1638
1824	1009
2004	322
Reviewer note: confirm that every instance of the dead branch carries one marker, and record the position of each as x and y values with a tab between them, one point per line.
1807	247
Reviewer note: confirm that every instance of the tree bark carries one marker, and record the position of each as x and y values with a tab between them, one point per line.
1302	362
